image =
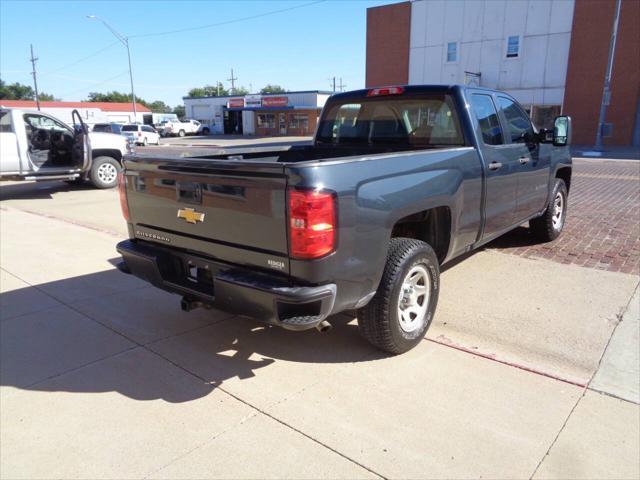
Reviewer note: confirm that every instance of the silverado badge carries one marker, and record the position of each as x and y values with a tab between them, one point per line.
190	215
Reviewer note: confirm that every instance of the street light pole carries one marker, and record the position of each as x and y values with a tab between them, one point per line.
125	41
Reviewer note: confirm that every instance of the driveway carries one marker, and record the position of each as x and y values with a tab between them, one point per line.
529	370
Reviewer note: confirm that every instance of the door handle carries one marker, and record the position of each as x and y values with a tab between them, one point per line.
495	165
524	160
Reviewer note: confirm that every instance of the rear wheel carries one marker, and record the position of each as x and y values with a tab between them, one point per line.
181	133
549	226
400	313
104	172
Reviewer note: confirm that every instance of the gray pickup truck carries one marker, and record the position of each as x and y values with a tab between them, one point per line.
397	182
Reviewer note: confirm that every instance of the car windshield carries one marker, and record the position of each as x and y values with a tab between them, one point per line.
428	120
130	128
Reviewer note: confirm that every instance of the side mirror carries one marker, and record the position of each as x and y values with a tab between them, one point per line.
562	131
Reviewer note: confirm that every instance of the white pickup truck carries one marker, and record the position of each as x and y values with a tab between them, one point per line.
38	146
184	127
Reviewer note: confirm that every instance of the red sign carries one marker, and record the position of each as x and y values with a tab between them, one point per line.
275	101
235	103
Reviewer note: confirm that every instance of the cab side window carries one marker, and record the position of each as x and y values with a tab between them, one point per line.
487	116
518	123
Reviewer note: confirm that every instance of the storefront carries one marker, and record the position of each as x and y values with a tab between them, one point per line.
290	113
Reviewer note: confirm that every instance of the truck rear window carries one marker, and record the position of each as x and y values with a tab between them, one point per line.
430	120
130	128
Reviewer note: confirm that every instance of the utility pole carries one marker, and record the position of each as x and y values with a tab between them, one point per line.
233	82
606	91
35	80
334	84
342	86
218	87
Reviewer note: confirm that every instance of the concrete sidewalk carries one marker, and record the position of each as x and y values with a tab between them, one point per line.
103	376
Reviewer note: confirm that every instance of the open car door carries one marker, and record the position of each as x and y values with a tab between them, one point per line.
81	153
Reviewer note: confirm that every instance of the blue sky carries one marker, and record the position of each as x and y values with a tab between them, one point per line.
299	49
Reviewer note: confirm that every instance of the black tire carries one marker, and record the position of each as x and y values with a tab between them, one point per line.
205	131
379	322
181	133
102	172
548	227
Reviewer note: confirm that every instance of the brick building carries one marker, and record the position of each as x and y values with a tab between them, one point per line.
551	55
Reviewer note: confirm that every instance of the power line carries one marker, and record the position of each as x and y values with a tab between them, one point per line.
227	22
98	52
96	84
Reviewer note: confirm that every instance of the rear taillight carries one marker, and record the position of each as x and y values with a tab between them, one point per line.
379	92
122	191
312	223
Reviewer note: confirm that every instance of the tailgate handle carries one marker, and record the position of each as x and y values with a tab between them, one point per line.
189	192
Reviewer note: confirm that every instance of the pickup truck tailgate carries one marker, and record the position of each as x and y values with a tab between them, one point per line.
233	211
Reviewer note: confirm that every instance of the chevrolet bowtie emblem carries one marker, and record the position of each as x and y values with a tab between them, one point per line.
190	215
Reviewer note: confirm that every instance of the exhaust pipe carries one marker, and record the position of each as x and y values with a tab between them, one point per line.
324	326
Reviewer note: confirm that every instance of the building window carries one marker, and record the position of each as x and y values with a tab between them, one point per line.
298	120
452	52
266	120
513	46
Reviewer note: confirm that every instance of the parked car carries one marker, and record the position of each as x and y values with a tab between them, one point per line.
38	146
182	128
398	182
108	128
141	134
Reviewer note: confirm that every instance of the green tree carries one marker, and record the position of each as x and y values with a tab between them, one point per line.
209	91
272	89
18	91
180	111
159	107
111	97
47	97
240	91
196	92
